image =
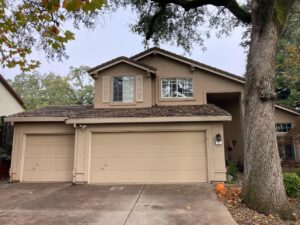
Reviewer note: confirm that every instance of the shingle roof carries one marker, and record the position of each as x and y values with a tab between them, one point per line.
146	52
121	58
88	111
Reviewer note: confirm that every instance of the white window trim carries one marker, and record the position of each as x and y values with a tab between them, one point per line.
175	98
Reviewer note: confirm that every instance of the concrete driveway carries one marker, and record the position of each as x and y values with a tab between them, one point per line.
56	203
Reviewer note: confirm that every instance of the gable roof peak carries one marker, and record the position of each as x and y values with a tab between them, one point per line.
191	62
118	60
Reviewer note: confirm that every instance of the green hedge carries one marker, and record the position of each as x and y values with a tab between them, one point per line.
291	184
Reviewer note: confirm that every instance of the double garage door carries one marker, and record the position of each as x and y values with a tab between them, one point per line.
148	157
132	157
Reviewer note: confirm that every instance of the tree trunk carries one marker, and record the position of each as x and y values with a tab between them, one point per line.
263	188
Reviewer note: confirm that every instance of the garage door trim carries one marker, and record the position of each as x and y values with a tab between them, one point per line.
97	131
24	142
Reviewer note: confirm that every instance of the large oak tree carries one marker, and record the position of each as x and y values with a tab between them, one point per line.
179	21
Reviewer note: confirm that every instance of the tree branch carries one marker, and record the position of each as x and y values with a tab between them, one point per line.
231	5
153	20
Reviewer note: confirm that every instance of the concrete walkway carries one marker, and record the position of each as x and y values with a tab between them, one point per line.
50	204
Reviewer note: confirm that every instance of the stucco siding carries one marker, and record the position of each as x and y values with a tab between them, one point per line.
8	104
83	137
122	69
203	82
282	116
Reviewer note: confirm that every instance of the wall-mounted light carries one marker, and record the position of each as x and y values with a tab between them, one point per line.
218	139
83	126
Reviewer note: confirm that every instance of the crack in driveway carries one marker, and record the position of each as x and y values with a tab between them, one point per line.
132	208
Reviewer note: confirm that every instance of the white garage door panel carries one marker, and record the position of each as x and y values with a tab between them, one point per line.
48	158
149	157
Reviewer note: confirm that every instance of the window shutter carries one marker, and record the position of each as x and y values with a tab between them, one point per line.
139	88
105	94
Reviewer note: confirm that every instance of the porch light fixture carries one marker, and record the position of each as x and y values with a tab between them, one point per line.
218	139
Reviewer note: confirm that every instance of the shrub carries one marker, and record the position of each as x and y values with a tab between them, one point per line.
291	184
232	171
298	172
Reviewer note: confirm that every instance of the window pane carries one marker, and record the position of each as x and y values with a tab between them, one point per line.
128	89
117	89
165	88
283	127
177	88
123	89
173	89
289	152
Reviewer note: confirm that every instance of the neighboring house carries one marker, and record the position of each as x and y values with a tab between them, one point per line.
157	117
290	140
10	101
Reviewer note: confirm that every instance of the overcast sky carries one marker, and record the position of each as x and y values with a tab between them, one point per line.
114	39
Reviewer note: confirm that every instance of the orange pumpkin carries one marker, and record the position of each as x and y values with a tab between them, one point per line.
219	187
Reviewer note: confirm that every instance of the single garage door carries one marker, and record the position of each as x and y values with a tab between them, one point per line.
148	157
48	158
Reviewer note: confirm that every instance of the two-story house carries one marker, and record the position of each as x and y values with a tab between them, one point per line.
157	117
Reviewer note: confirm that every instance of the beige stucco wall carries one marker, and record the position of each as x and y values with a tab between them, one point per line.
122	69
21	130
8	104
282	116
203	82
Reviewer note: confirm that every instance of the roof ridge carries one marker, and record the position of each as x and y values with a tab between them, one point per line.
193	61
122	58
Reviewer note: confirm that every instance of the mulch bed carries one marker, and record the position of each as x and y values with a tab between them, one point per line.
230	196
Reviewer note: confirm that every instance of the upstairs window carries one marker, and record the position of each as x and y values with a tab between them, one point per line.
123	89
283	127
176	88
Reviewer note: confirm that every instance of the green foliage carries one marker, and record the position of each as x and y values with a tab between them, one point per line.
281	9
288	59
5	148
298	172
291	184
25	25
179	26
82	83
39	90
232	171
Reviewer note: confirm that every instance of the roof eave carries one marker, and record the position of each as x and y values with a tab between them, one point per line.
35	119
97	69
157	51
148	120
287	110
